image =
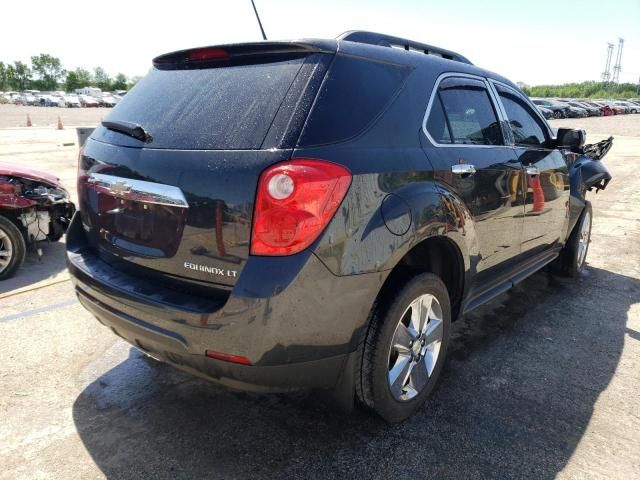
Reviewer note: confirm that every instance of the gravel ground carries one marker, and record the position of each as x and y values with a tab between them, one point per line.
16	116
542	382
12	116
624	125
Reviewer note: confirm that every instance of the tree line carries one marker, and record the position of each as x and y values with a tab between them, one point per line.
46	73
588	89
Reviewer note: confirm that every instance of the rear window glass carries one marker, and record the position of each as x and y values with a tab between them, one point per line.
209	109
469	117
354	93
437	124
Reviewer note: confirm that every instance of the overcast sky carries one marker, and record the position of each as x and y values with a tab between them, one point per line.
539	41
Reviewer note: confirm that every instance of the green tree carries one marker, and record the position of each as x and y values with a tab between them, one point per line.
588	89
48	71
77	78
4	77
120	82
19	76
101	79
133	81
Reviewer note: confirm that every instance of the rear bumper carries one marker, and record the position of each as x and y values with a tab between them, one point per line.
295	321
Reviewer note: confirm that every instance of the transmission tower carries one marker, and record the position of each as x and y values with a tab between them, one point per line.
618	66
606	75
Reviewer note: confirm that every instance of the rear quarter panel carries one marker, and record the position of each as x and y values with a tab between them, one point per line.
394	202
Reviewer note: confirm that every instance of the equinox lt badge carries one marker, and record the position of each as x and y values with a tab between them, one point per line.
221	272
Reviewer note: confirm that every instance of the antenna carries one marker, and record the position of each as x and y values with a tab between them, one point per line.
264	37
618	66
606	75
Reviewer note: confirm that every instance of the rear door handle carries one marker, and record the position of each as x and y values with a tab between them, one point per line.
463	169
532	170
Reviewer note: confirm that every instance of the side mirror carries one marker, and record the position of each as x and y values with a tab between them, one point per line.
570	138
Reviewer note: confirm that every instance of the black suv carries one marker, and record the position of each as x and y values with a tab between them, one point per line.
314	214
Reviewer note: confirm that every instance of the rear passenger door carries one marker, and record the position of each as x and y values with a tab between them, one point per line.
471	158
546	179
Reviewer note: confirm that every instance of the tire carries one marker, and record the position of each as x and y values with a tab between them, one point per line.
573	256
557	114
12	248
418	366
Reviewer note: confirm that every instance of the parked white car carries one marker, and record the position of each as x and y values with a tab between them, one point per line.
109	101
72	101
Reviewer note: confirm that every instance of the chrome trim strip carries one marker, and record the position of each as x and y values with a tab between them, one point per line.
139	190
433	96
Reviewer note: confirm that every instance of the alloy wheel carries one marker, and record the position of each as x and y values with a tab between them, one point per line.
6	250
415	347
583	240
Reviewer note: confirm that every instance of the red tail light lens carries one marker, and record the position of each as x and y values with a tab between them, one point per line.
207	54
295	202
184	57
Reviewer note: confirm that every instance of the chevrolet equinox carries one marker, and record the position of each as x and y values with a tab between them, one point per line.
313	214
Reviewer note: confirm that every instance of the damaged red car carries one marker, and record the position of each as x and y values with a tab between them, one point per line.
34	207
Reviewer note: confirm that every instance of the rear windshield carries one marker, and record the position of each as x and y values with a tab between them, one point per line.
207	109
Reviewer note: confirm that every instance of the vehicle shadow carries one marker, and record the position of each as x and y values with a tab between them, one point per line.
38	271
515	398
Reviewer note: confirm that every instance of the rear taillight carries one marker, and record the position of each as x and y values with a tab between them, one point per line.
295	202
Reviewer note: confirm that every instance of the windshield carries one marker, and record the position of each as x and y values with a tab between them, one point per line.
215	108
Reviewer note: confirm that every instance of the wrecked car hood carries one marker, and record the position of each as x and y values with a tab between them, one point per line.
14	170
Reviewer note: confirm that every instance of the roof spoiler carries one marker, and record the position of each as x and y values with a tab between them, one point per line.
241	53
380	39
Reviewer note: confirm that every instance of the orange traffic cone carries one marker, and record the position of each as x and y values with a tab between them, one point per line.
60	126
29	124
538	195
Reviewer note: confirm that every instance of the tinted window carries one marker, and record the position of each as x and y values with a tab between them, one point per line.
468	112
526	126
437	123
355	92
213	108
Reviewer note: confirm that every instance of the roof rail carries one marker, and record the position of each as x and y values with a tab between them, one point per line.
380	39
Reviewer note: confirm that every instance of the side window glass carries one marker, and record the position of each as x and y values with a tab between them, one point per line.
437	123
468	113
525	125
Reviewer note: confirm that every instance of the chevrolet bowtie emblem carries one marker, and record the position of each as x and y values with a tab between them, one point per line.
120	187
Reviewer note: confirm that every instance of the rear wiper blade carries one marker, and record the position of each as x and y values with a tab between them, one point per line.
128	128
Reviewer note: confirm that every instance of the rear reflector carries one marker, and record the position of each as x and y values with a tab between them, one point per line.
227	358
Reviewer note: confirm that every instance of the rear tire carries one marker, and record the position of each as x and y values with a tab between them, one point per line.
12	248
573	256
404	351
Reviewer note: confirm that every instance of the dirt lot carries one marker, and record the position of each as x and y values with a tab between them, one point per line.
12	116
542	382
